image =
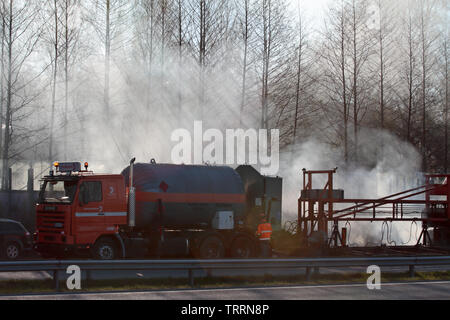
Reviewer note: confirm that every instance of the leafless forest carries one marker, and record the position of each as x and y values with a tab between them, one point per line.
104	80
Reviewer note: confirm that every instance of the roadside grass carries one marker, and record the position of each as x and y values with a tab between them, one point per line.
10	287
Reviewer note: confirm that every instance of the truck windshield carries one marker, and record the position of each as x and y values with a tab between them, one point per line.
58	191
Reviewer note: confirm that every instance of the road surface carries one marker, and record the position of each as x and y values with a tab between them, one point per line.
432	290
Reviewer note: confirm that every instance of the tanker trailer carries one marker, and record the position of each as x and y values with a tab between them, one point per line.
196	209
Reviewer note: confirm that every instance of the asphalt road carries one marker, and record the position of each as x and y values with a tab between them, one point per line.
433	290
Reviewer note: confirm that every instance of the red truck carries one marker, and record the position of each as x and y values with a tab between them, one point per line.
154	209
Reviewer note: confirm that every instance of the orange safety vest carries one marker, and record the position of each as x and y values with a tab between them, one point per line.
264	231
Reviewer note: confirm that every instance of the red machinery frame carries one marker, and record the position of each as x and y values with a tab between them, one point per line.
437	212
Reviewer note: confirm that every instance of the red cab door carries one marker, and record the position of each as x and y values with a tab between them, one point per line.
89	216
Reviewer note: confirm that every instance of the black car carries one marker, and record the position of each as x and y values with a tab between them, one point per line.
14	239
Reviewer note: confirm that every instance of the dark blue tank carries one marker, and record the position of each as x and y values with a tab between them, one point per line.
185	196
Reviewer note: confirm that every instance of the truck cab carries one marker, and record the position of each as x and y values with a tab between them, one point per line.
79	211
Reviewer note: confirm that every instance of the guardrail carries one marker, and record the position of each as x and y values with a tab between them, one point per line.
53	266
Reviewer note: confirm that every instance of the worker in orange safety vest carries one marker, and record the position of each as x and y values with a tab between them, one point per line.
264	233
264	230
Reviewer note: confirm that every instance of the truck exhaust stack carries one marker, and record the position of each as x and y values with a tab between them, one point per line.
131	198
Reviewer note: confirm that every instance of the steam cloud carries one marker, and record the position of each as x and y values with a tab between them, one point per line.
392	166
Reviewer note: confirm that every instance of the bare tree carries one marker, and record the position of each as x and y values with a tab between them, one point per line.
164	8
446	84
274	51
427	40
22	34
408	72
54	57
443	76
2	64
384	25
108	21
304	80
180	36
282	72
246	24
71	35
333	53
209	24
267	42
145	37
362	42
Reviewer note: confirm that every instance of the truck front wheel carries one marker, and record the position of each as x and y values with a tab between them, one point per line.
242	247
105	249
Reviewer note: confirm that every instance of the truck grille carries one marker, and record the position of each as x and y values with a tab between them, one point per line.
50	223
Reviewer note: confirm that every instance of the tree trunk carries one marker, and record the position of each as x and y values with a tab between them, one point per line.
355	82
381	81
424	84
180	55
55	67
107	61
2	97
8	117
163	39
202	55
446	107
266	62
244	67
148	56
410	80
344	86
299	75
66	76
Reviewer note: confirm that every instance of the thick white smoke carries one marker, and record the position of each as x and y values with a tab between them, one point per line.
392	165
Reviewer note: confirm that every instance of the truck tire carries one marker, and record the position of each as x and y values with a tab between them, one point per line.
211	248
12	250
242	247
105	249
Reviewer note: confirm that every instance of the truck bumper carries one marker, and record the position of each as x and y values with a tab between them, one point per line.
56	249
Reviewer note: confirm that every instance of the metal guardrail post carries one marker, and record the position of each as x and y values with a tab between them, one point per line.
412	271
316	271
191	277
88	277
308	273
56	280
